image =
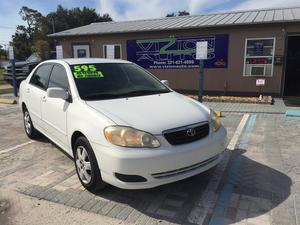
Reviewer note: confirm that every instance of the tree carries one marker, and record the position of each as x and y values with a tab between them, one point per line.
42	49
27	37
179	13
32	18
170	15
183	13
3	54
63	19
21	44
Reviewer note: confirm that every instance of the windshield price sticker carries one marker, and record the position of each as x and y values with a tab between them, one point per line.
86	71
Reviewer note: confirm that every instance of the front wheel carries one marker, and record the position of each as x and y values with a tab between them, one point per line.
86	166
30	131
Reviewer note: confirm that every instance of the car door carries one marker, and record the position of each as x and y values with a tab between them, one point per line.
54	110
34	92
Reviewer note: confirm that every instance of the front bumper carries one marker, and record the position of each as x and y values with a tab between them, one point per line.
162	165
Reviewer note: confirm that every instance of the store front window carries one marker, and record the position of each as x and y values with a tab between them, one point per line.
259	57
112	51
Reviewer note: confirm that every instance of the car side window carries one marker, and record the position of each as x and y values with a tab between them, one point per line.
41	76
58	78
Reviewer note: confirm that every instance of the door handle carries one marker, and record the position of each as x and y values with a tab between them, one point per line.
44	99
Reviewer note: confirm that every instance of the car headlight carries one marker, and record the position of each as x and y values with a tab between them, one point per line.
216	120
130	137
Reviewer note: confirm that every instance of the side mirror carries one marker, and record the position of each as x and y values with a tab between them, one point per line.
57	92
165	82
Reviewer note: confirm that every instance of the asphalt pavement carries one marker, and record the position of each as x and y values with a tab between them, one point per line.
257	182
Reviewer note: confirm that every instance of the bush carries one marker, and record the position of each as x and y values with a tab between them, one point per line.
42	48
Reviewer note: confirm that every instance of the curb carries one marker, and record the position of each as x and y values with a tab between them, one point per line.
293	113
8	101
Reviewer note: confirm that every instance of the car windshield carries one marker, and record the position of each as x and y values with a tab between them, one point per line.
33	58
114	80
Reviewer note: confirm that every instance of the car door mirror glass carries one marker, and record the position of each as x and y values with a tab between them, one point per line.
57	92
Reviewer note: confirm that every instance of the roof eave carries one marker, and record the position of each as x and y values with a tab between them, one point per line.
58	35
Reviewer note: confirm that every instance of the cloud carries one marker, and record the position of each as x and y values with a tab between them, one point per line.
144	9
258	4
139	9
200	6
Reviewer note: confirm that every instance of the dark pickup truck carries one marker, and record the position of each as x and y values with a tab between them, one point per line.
23	68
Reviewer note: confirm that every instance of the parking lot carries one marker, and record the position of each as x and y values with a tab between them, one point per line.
258	181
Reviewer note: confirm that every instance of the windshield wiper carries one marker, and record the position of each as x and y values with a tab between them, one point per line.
100	96
145	92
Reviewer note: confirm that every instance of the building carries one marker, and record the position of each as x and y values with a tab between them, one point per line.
249	52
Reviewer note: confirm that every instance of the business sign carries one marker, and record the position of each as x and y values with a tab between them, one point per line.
260	82
178	53
201	50
11	53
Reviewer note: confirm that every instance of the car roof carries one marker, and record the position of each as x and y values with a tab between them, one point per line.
73	61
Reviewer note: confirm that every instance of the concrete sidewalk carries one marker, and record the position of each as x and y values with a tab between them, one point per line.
277	108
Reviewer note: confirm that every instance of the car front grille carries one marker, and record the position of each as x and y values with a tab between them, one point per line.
185	169
187	134
20	71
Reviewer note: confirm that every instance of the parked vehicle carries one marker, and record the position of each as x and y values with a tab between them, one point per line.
23	68
121	124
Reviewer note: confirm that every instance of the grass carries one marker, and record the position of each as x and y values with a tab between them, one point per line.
1	74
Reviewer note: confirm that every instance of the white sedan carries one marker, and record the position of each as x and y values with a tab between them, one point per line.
121	124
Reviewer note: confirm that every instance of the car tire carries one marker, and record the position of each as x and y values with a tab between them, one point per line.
30	130
86	166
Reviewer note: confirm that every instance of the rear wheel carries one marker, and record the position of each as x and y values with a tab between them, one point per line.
86	166
30	131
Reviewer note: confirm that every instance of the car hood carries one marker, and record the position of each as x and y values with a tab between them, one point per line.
21	63
153	113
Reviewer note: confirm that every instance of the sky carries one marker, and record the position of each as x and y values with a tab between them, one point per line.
121	10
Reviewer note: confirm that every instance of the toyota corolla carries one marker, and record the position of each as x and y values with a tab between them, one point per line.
120	123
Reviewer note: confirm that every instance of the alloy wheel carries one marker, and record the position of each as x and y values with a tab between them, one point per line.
27	122
83	164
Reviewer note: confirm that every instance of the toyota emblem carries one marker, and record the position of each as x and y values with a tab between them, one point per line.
191	132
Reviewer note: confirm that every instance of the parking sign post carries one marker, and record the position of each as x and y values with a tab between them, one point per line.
201	80
201	55
12	61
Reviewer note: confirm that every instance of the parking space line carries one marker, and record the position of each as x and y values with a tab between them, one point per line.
15	147
232	144
207	198
225	195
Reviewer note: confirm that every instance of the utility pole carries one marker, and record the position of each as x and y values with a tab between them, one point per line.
53	25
